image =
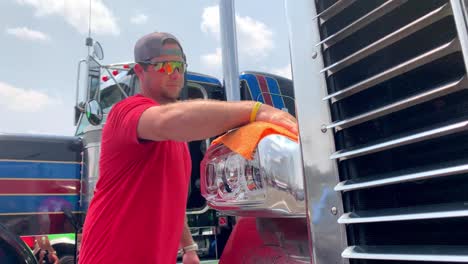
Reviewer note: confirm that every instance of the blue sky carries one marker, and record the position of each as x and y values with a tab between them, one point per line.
43	40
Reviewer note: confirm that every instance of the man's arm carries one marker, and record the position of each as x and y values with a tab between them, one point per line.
187	240
200	119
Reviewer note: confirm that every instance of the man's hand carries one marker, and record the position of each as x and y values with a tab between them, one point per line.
52	257
44	244
275	116
190	257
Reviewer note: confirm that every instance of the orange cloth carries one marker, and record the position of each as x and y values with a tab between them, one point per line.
245	139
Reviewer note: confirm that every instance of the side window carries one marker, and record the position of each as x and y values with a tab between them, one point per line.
196	91
82	124
94	73
136	85
112	94
109	96
94	85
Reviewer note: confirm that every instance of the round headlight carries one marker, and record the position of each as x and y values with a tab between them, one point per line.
233	171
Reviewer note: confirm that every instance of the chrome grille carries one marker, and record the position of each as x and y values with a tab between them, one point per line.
396	82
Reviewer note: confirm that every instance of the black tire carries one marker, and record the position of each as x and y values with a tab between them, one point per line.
67	259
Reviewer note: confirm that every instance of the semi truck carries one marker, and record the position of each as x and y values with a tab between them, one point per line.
380	96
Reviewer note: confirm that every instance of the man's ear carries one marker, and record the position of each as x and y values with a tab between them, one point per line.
139	71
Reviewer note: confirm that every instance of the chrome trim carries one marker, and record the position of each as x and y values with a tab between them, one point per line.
283	193
402	104
39	194
432	55
202	211
39	213
92	145
459	15
208	231
200	88
358	184
405	214
40	179
363	21
326	237
91	154
77	95
229	49
409	253
389	39
93	70
38	161
433	133
334	9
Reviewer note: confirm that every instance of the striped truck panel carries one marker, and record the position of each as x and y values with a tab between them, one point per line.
268	89
39	177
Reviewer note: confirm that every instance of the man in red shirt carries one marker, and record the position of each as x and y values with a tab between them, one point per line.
138	209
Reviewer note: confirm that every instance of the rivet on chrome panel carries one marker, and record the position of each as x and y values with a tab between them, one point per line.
334	211
324	128
314	55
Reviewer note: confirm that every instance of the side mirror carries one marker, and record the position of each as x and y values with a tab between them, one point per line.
98	51
94	112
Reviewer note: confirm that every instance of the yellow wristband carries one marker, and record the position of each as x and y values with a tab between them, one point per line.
253	114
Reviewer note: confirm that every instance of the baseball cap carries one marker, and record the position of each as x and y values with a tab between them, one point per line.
150	46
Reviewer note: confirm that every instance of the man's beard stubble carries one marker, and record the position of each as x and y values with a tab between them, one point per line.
171	98
163	95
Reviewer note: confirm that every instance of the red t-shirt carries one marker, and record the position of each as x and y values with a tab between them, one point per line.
137	212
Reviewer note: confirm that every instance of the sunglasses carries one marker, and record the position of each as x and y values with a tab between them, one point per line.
168	66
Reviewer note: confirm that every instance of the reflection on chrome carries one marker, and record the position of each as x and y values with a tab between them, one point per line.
271	185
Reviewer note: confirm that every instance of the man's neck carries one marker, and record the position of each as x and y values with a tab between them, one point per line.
163	101
159	99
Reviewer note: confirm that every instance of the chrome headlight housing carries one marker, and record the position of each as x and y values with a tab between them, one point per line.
270	185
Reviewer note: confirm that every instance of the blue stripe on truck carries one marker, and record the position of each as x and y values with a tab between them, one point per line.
39	170
38	204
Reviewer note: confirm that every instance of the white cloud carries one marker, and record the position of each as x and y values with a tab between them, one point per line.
212	60
76	13
139	19
210	20
212	63
255	39
24	101
284	71
30	111
37	132
27	34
